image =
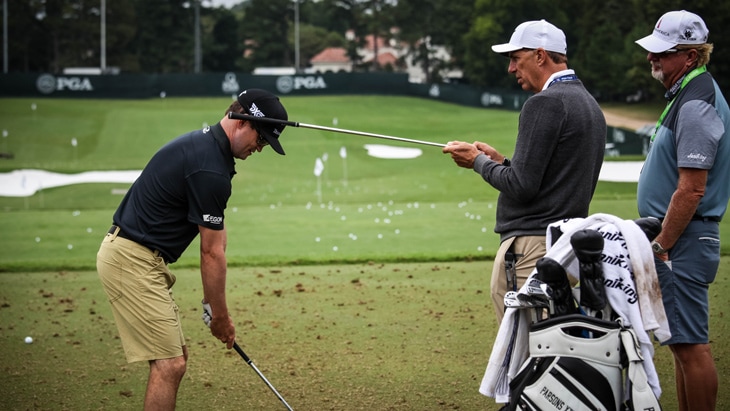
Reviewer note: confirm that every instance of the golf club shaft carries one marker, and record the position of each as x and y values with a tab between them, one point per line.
239	116
249	362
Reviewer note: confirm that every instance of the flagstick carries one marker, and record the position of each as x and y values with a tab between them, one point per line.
343	154
318	168
319	189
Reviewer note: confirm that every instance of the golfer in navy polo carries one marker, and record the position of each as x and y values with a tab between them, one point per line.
182	192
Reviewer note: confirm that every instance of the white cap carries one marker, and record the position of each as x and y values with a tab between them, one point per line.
673	28
534	35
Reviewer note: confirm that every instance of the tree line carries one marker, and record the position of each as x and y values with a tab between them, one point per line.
159	36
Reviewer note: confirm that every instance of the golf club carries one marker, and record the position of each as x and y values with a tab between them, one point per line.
249	362
238	116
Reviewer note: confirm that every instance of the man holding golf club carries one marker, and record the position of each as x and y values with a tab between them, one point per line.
182	192
685	182
557	158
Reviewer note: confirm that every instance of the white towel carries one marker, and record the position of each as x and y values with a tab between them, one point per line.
631	286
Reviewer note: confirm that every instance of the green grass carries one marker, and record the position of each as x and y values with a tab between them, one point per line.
422	209
346	337
354	328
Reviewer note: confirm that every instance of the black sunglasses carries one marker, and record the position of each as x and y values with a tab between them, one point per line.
260	140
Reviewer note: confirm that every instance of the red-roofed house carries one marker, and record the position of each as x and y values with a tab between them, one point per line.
391	53
332	59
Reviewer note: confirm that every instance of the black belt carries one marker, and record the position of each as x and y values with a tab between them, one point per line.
113	229
700	218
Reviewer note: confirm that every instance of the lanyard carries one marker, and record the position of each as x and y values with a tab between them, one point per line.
567	77
692	74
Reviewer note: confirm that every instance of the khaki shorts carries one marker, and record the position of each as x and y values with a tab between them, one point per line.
139	287
532	249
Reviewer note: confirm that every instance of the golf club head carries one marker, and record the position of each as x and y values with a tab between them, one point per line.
511	301
651	226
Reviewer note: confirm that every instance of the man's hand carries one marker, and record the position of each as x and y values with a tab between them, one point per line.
221	327
462	153
493	154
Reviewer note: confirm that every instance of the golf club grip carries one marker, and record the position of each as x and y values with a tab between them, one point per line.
239	116
240	352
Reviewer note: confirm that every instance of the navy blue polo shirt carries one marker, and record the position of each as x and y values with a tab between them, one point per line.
187	183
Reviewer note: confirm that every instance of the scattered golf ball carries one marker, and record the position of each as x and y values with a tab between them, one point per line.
89	230
37	239
334	248
70	246
479	248
316	239
380	236
29	340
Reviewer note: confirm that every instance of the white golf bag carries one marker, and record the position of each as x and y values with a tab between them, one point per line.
581	356
578	362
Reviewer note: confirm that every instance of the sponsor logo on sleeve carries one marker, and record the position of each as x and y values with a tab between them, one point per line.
212	219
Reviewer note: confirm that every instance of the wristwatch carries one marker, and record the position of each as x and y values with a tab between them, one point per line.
657	248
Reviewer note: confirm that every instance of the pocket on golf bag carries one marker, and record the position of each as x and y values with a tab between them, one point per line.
575	363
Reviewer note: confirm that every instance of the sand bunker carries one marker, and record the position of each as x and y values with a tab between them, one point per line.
384	151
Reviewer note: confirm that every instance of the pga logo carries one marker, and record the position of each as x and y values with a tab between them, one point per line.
212	219
286	84
47	84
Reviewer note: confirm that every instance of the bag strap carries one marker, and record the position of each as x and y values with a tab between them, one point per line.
642	396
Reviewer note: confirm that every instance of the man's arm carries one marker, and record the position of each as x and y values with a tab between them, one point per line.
213	273
683	205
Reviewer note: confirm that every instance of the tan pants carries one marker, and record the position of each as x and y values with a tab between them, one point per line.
139	287
532	249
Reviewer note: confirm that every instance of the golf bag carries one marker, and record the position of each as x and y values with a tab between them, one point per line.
579	362
581	356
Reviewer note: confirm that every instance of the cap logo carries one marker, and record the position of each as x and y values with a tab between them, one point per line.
659	23
255	111
688	34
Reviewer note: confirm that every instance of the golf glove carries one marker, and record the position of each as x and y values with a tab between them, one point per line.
207	313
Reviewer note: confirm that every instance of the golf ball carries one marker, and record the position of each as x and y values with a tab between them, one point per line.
28	340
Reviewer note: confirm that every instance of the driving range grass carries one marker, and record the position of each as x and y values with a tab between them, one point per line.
370	334
375	336
421	209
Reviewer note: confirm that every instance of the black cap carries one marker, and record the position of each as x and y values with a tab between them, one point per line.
261	103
